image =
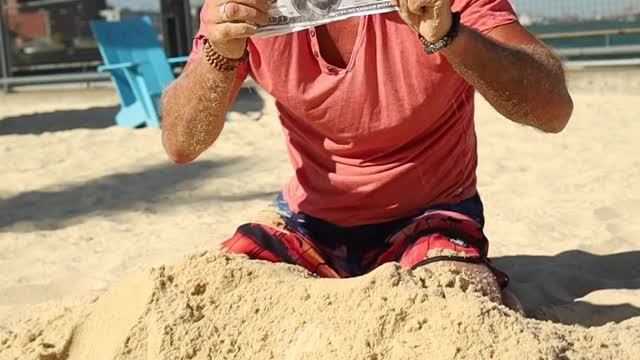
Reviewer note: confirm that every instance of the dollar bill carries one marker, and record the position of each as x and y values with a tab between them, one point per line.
294	15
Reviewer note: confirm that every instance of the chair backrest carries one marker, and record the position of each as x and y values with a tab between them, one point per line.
134	40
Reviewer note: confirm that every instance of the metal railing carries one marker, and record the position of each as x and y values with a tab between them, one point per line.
630	52
86	77
73	78
612	63
606	33
599	51
7	83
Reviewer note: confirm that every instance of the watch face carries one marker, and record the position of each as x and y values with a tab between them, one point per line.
315	9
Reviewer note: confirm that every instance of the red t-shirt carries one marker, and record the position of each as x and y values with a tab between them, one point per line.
390	134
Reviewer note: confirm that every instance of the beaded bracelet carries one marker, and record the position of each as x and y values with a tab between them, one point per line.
432	48
222	63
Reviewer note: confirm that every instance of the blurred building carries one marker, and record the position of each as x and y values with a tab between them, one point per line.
63	22
55	35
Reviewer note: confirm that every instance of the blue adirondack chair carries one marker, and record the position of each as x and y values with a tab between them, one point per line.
139	68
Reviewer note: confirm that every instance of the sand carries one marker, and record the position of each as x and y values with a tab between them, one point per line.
212	306
86	210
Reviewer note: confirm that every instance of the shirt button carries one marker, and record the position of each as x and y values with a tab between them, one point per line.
312	33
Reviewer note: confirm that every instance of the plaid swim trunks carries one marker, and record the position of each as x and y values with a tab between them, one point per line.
442	233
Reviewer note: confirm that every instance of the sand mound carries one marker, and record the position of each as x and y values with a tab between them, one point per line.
213	306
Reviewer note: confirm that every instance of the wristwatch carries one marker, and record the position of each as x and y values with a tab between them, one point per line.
432	48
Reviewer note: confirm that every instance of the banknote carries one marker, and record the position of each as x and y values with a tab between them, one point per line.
294	15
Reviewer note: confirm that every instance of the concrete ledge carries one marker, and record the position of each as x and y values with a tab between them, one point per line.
605	80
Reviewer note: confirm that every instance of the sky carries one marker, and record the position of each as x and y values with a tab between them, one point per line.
546	8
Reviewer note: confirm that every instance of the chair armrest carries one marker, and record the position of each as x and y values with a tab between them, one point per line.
126	65
178	60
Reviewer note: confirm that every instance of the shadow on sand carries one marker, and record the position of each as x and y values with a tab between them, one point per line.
248	101
35	124
148	190
550	287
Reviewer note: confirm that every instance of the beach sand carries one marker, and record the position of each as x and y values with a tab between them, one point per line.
86	209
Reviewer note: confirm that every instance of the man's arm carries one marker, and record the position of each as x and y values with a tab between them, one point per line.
195	105
517	75
194	108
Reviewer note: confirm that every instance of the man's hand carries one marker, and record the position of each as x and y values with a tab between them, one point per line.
230	23
430	18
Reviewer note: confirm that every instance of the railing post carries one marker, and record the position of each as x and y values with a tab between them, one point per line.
4	51
176	26
607	39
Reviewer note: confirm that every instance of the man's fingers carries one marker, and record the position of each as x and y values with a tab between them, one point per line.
213	14
425	8
416	6
404	9
236	12
260	5
228	31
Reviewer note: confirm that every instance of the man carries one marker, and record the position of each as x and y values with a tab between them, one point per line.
378	118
